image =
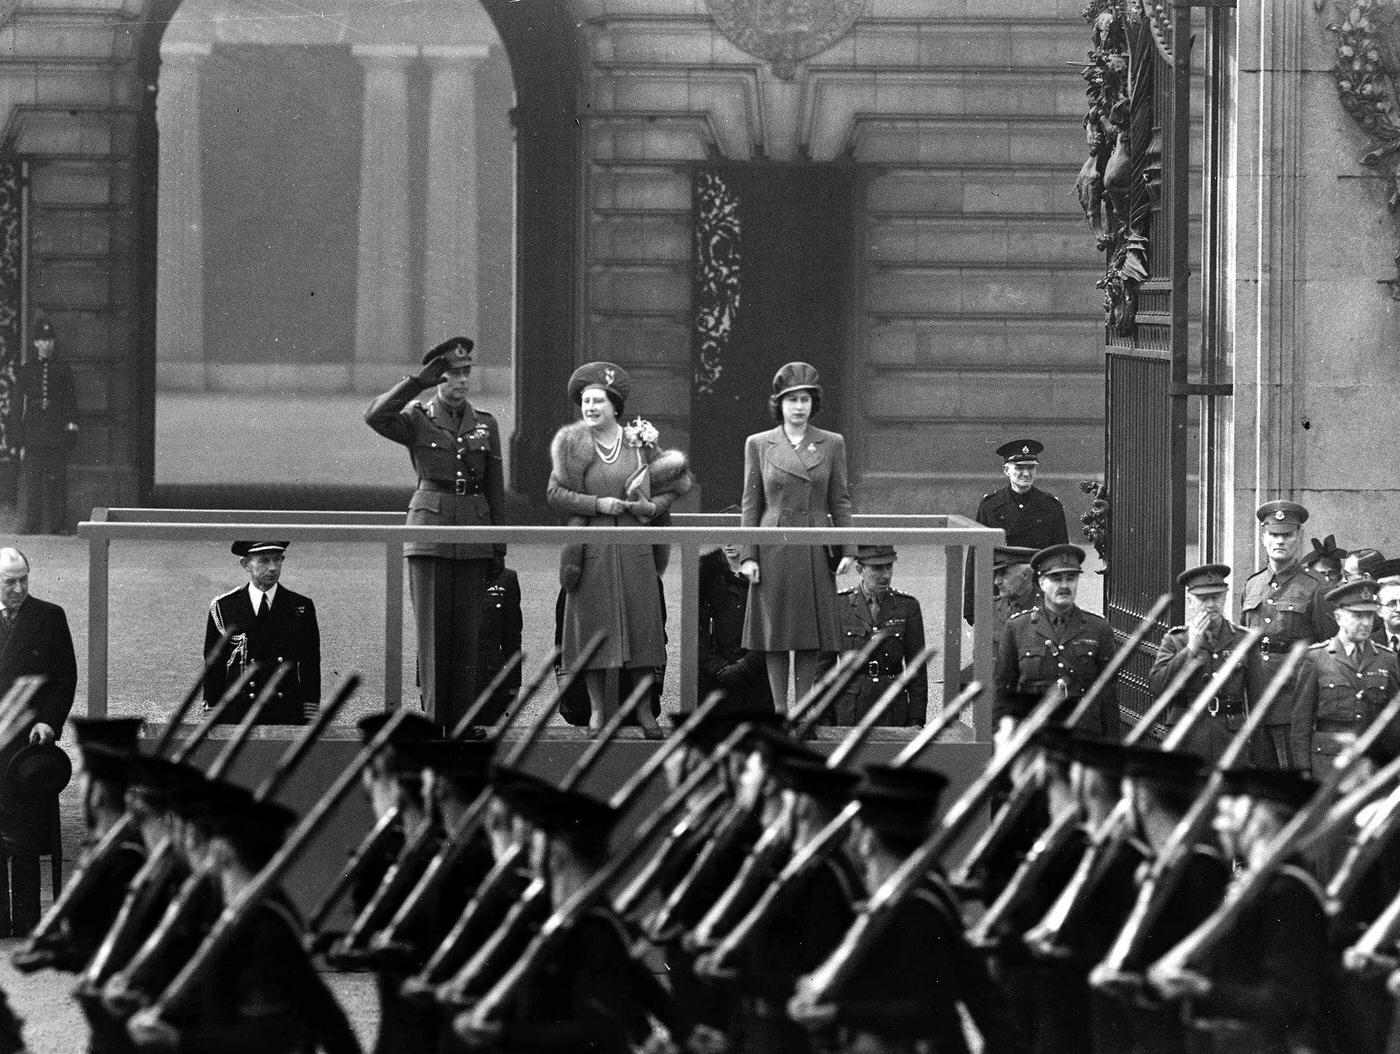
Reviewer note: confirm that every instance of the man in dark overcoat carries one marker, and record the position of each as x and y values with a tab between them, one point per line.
34	639
1032	518
271	625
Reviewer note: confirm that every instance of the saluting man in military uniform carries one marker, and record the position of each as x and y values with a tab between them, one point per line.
1286	599
456	452
1055	641
1032	518
1210	638
873	605
48	429
1343	683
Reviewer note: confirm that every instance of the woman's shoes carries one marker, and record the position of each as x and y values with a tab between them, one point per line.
650	729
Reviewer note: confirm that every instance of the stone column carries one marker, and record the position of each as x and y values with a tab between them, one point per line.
180	245
382	292
450	287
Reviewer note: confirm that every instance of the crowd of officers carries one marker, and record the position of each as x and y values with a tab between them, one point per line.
1220	873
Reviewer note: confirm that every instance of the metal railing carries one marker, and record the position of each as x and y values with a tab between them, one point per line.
692	531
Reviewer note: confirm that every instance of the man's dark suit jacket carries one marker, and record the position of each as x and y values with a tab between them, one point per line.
39	643
289	633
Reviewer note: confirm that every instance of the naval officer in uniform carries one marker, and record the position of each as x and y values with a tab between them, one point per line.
271	625
1287	601
865	608
456	452
1032	518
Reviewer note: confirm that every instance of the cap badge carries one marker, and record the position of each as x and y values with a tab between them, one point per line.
1025	450
1278	514
609	375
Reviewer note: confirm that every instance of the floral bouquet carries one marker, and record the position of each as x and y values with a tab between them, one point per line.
640	435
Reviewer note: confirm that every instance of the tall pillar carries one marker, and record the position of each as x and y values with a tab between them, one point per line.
180	239
451	295
382	290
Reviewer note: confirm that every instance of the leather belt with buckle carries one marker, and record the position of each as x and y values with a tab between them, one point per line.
452	486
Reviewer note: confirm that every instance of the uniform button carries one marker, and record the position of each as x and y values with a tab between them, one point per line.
1060	665
1268	620
459	472
432	444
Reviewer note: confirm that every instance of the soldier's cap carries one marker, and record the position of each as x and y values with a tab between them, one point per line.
42	768
220	808
813	777
796	377
1004	556
1095	752
1021	451
1205	580
1368	561
1288	514
900	800
1176	769
110	764
605	375
1063	557
44	331
114	733
246	549
465	761
1360	594
876	555
1388	573
1325	550
716	726
161	780
456	350
1273	785
579	818
412	728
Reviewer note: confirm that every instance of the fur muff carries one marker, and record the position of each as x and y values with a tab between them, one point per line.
572	451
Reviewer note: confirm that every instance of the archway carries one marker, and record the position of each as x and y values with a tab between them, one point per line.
525	346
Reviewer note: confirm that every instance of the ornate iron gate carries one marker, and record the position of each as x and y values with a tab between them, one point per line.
1135	189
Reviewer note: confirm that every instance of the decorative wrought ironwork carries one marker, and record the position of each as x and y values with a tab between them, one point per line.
784	32
1094	521
717	275
1366	70
11	298
1120	183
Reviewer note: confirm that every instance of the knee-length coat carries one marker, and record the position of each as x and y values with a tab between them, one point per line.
793	607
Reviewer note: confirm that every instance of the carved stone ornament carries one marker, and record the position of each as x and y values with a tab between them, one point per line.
784	32
1366	70
1121	181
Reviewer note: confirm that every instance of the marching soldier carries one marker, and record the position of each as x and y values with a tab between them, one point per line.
1055	641
263	993
1265	987
1286	600
866	608
919	978
1032	518
1343	683
48	430
271	625
1209	638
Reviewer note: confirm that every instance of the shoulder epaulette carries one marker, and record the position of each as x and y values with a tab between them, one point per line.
900	593
484	413
226	596
1256	574
848	592
1319	646
1023	611
988	495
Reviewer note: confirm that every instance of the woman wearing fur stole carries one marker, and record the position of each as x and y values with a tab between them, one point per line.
610	474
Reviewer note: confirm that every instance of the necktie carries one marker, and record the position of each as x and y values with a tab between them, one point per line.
874	605
263	605
1395	643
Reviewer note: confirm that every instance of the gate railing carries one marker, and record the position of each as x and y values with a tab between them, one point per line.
956	535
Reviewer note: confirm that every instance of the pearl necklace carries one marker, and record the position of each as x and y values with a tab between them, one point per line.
608	454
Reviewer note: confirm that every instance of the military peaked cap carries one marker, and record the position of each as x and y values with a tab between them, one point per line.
246	549
1206	579
457	351
1357	595
1021	451
1281	513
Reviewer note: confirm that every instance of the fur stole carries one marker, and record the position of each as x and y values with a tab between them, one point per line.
572	452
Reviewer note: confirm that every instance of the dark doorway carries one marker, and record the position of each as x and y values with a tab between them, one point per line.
771	285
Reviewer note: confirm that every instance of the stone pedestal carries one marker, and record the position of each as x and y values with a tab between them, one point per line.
180	246
451	294
382	289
